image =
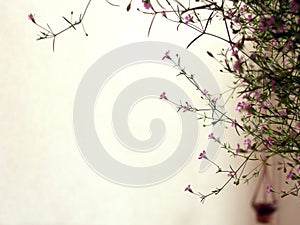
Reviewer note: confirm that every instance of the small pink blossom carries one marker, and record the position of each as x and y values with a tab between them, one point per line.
234	123
261	27
214	100
261	128
147	4
234	52
282	112
188	19
246	95
270	21
236	19
288	44
243	106
249	18
289	175
229	13
292	133
268	142
247	143
264	104
269	189
163	96
237	65
186	107
274	42
188	188
204	92
257	94
202	155
211	136
243	8
166	56
238	149
163	13
31	17
230	174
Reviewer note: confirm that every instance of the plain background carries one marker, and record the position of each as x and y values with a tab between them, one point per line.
44	179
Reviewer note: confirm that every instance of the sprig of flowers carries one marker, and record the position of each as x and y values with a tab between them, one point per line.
48	33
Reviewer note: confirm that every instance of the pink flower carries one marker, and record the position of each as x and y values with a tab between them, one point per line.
270	21
230	174
31	17
243	8
249	18
202	154
188	188
163	13
188	19
211	136
292	133
236	19
204	92
214	100
241	106
163	96
261	128
166	56
265	23
229	13
257	94
268	142
264	104
289	175
247	142
233	123
234	52
274	42
147	4
186	107
294	5
238	149
269	189
282	112
237	65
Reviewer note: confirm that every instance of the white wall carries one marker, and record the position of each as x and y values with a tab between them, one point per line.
44	178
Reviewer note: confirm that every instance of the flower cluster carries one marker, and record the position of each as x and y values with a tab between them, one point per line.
263	58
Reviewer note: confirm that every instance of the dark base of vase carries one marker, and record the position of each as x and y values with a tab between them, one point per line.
264	218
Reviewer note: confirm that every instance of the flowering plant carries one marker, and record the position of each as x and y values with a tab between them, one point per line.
262	56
